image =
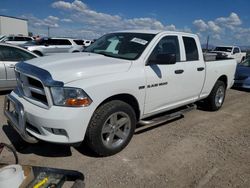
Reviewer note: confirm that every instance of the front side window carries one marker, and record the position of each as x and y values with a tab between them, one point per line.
9	39
191	49
167	45
128	46
51	42
27	38
14	54
19	39
236	50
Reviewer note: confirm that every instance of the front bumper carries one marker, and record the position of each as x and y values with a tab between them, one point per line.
57	124
16	118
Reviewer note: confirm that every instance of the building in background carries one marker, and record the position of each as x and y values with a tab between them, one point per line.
13	26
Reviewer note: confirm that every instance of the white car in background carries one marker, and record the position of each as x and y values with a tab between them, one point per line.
16	40
87	43
9	56
49	46
230	52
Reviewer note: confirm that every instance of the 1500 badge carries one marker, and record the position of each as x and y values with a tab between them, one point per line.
154	85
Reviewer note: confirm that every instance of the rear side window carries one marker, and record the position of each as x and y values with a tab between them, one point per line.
63	42
79	42
191	49
8	53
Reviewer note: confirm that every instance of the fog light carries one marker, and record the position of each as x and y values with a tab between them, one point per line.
59	132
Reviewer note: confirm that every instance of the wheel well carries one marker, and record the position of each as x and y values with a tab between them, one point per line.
223	79
127	98
75	51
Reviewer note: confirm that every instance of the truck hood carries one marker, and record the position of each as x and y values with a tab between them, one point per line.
74	66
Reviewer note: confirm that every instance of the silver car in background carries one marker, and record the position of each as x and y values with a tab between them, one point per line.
49	46
9	56
16	40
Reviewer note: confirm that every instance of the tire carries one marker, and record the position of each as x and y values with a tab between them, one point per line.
75	51
104	134
216	98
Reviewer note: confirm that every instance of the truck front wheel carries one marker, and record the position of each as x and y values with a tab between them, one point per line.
216	98
111	128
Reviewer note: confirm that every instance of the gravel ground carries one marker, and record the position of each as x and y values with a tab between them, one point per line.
203	149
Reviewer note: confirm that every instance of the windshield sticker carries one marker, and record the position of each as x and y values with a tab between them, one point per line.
139	41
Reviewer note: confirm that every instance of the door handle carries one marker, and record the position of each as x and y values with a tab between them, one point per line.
200	68
179	71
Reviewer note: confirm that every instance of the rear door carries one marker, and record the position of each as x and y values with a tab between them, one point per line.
194	69
170	86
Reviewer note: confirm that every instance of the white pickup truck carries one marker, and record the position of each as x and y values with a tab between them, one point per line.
230	52
101	94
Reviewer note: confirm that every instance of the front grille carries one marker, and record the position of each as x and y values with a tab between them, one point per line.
31	88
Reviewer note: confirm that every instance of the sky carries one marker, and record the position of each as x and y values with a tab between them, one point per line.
226	22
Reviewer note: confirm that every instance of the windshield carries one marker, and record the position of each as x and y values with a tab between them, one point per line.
223	49
246	63
121	45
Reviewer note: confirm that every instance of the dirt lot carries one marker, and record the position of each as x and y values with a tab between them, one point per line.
203	149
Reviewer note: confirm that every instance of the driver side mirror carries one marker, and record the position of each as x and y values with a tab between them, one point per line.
163	59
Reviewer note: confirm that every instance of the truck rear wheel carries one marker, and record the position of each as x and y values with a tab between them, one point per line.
217	96
111	128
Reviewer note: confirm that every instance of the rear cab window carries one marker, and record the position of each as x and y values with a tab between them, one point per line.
191	49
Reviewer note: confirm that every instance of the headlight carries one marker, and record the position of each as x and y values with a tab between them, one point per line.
68	96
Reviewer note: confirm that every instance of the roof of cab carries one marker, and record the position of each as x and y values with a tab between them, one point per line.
155	32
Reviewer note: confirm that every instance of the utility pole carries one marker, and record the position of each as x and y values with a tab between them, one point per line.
48	30
207	43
